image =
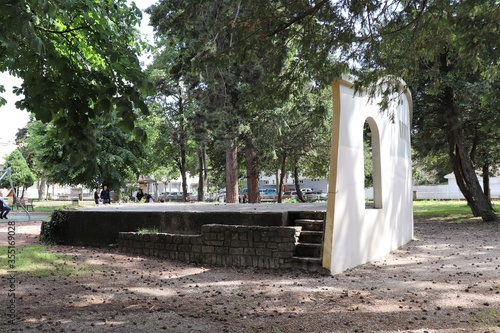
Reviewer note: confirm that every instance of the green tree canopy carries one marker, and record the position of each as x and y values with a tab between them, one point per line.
78	60
21	174
243	59
443	49
109	156
448	54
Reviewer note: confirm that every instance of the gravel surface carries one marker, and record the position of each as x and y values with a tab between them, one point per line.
446	280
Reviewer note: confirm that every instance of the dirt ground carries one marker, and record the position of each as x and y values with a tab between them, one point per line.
446	280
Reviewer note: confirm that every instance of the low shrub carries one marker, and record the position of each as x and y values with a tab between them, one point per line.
53	231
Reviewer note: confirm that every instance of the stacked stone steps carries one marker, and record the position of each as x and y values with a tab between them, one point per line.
310	224
309	248
311	237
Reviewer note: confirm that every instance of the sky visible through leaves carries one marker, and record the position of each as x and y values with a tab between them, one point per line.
14	119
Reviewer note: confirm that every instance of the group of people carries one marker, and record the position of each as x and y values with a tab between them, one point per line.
143	197
105	195
4	207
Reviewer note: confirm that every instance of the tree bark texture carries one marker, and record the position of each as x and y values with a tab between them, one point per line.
486	181
461	162
202	174
282	174
232	172
42	188
252	166
297	183
182	167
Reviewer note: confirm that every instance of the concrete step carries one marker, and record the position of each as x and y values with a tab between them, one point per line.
313	237
310	225
313	215
312	265
308	250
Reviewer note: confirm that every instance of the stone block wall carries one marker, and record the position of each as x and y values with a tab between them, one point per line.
221	245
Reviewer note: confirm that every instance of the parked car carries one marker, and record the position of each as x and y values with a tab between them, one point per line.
316	196
267	191
290	195
268	195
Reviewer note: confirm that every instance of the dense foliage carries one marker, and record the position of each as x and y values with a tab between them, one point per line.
109	155
244	81
246	77
21	175
448	54
78	61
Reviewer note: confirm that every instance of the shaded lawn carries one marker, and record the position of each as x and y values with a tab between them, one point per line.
447	210
38	260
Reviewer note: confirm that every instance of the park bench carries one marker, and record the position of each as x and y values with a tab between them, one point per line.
26	203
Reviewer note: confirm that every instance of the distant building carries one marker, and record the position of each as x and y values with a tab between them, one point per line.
446	191
316	184
451	190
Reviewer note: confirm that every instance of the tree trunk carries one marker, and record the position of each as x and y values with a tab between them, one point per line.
184	184
462	164
232	172
183	172
297	183
180	137
282	179
181	164
42	187
486	181
252	165
202	175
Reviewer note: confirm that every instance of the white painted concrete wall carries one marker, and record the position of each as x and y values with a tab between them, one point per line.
355	234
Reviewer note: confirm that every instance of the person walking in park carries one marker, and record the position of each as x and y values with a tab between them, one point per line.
4	208
105	196
139	195
96	195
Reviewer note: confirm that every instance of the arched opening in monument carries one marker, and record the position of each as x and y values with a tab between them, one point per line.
372	165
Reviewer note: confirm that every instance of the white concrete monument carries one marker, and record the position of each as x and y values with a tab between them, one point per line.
355	231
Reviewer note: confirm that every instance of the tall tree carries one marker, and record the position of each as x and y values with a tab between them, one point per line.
21	174
180	120
78	61
238	78
172	106
431	41
30	153
442	50
300	139
109	155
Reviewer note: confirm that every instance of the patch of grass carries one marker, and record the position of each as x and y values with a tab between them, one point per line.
448	210
441	208
49	209
488	318
148	231
36	260
48	206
